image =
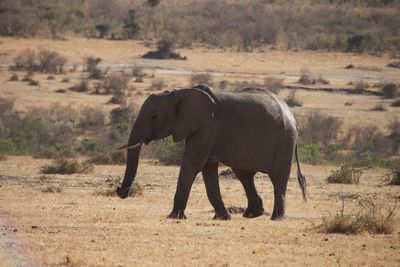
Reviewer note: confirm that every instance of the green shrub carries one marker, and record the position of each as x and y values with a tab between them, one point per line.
310	154
87	146
345	175
92	118
13	146
167	151
122	114
66	166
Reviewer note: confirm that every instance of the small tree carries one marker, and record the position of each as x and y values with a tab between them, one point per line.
131	26
103	29
153	3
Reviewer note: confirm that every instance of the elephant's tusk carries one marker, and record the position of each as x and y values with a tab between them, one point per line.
127	146
122	147
135	146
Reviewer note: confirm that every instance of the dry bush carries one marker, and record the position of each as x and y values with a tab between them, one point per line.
92	119
379	107
91	66
82	86
122	114
108	158
33	82
51	61
396	103
50	77
360	87
389	90
305	77
65	80
370	219
116	84
53	189
394	175
292	101
137	72
227	174
158	83
319	128
273	84
66	166
201	78
235	210
394	135
368	144
14	77
26	60
345	175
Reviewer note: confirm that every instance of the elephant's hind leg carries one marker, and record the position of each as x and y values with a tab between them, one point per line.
210	176
255	205
279	180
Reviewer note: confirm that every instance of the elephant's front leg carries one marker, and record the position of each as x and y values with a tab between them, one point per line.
197	149
210	176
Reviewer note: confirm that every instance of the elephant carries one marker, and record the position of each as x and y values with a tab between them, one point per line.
249	131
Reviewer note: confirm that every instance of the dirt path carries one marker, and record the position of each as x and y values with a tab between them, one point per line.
13	252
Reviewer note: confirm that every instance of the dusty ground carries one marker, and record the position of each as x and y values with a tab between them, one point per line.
77	227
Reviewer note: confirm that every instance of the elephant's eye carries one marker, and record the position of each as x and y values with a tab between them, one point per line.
154	117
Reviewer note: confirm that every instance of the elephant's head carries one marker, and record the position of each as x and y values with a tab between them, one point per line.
179	112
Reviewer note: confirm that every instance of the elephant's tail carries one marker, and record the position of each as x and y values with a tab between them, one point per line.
301	177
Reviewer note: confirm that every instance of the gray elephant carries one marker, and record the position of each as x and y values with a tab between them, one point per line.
250	131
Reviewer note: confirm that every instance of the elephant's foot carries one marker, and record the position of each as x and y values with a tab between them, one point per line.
278	218
223	217
253	213
179	215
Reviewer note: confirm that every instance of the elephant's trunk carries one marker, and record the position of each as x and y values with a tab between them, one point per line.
131	167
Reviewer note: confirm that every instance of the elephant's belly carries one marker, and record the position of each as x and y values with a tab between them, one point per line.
255	158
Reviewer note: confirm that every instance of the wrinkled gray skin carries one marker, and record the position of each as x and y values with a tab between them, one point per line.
250	131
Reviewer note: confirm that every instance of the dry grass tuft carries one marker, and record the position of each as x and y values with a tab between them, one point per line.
370	219
227	174
345	175
273	84
394	175
379	107
110	191
66	166
292	101
52	189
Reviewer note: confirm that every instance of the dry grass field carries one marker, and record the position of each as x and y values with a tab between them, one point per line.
80	227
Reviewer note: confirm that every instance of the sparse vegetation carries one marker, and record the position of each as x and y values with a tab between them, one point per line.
108	158
167	151
345	175
91	66
52	189
46	61
66	166
305	77
158	83
201	78
14	77
273	84
389	90
292	101
227	174
396	103
394	175
379	107
370	219
111	185
83	86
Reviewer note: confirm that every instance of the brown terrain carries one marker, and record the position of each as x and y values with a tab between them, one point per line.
80	227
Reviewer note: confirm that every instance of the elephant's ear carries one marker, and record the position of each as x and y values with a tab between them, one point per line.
194	108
